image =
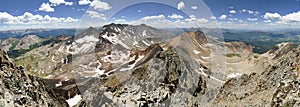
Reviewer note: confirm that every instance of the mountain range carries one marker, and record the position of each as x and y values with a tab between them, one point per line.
139	65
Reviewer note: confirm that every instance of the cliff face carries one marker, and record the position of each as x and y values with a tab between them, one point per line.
19	89
278	85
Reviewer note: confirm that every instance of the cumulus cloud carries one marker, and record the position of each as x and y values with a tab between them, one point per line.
46	7
291	18
121	20
232	11
31	19
272	16
213	18
233	19
268	21
175	16
180	5
4	17
250	12
194	19
58	2
194	7
147	18
223	17
94	14
84	2
69	19
99	5
252	19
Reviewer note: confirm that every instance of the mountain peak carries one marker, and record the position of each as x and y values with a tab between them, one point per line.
280	49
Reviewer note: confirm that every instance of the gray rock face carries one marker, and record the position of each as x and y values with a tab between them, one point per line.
19	89
287	94
276	86
163	80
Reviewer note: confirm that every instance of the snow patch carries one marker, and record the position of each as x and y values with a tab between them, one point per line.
115	40
196	52
85	48
49	76
132	65
73	101
145	43
53	59
233	75
60	49
116	57
144	33
89	38
58	85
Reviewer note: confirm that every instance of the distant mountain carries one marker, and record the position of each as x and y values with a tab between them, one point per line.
38	32
18	46
262	41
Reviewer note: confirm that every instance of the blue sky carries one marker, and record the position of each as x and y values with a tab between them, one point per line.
235	14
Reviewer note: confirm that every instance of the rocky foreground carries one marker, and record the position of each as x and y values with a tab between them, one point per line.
278	85
19	89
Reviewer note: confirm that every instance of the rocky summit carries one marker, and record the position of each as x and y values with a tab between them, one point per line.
19	89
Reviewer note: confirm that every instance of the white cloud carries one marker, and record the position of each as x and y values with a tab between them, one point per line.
99	5
233	19
58	2
223	17
244	10
147	18
250	12
120	20
94	14
291	18
194	19
175	16
161	21
272	16
268	21
180	5
46	7
213	18
4	17
194	7
30	19
84	2
232	11
139	11
252	19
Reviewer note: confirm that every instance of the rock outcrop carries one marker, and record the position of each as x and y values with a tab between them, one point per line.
162	80
19	89
276	86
